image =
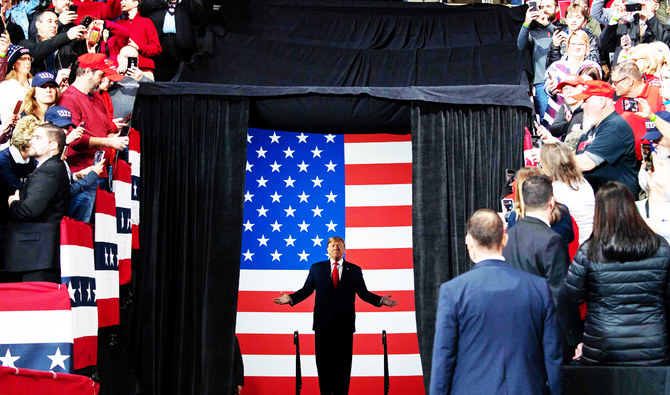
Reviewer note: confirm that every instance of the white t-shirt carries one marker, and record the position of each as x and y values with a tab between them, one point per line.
659	215
581	203
11	91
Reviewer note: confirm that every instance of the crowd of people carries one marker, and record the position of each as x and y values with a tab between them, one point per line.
598	179
71	69
600	90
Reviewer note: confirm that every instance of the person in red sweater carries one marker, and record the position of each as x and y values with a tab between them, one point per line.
117	38
86	105
108	10
143	35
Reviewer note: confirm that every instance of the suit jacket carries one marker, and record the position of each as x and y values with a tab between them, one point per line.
496	333
535	248
334	309
32	236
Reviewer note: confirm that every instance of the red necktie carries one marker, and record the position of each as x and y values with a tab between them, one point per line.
336	276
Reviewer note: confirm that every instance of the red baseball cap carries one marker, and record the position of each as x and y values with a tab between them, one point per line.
98	61
595	88
572	80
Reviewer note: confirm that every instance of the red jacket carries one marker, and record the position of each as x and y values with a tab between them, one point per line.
109	10
143	32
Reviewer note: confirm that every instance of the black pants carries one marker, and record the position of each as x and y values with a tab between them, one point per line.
333	361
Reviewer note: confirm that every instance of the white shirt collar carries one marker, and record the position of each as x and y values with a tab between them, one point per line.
16	155
490	257
546	221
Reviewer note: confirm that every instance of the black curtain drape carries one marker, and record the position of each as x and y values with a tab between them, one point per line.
459	157
192	180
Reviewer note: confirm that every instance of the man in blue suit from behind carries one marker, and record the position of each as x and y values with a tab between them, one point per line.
496	330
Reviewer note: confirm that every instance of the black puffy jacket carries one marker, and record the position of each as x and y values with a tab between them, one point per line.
625	308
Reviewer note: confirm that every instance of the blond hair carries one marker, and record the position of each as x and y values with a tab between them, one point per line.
11	75
651	54
23	131
335	239
580	35
558	162
30	104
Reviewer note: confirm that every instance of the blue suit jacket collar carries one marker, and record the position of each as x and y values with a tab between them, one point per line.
490	262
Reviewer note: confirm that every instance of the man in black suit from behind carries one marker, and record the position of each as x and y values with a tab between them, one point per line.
336	282
36	209
535	248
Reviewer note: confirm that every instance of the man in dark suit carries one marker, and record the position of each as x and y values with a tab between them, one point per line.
495	330
36	209
534	248
336	282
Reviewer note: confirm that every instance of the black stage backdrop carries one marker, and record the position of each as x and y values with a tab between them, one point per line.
459	157
192	183
451	75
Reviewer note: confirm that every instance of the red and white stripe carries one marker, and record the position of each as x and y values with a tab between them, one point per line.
134	158
77	260
107	281
378	182
122	188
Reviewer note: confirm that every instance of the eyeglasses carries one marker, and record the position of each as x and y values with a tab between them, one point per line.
578	44
616	82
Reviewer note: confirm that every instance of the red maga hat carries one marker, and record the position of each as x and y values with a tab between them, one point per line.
595	88
572	80
98	61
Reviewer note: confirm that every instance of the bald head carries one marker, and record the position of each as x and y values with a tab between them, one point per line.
122	58
486	229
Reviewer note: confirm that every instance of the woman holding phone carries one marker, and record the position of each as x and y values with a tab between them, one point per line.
15	86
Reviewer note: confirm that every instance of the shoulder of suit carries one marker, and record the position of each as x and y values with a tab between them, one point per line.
352	265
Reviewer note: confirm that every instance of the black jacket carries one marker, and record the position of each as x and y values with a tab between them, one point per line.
610	38
32	236
626	302
68	51
557	52
334	309
562	125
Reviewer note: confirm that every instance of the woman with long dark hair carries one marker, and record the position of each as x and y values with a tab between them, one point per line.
621	272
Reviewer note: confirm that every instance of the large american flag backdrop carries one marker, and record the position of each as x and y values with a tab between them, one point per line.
301	189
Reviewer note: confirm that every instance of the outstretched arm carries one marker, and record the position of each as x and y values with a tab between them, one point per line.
283	299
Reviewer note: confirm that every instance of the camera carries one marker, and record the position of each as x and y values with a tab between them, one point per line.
632	7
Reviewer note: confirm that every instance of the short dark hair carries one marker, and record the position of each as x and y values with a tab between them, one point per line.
486	227
54	133
627	69
537	191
